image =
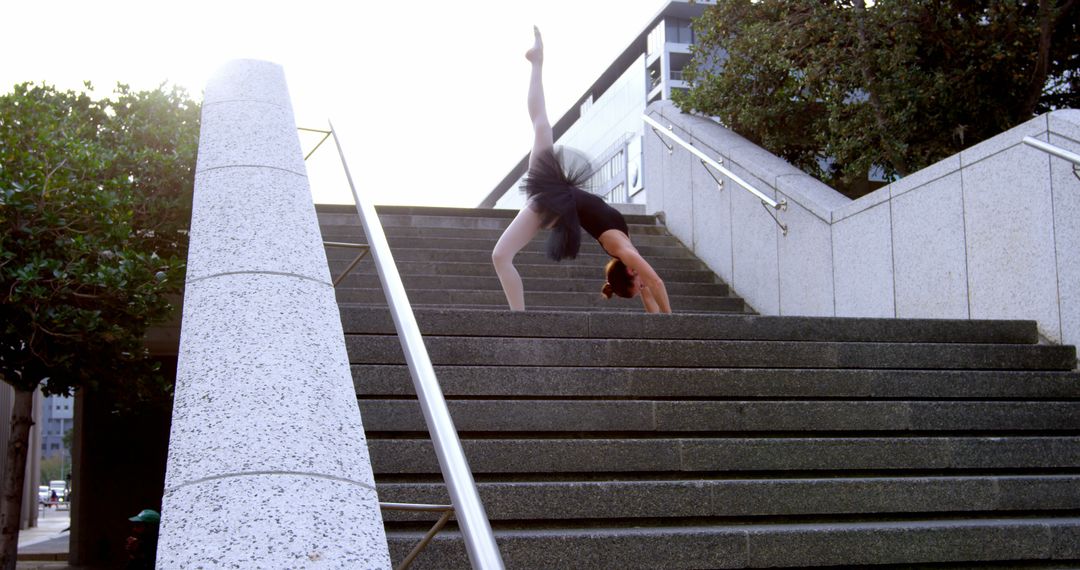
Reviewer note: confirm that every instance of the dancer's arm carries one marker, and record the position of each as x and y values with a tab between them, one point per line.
651	281
630	257
648	300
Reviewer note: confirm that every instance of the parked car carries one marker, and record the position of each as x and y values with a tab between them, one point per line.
43	493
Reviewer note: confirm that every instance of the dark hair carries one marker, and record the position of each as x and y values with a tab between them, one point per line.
619	280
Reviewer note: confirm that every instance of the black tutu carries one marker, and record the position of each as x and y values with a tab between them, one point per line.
551	185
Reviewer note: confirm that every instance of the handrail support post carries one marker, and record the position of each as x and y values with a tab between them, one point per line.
670	147
719	181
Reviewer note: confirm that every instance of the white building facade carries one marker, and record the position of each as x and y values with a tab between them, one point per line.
58	413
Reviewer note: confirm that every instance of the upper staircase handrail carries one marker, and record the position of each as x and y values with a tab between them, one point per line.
666	131
473	521
1054	150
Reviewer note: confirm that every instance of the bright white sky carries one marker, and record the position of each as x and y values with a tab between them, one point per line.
427	96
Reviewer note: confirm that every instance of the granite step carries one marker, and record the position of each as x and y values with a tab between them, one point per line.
751	498
650	353
636	225
543	457
425	216
712	383
453	321
588	246
491	283
614	306
546	270
538	298
729	417
338	258
356	233
698	544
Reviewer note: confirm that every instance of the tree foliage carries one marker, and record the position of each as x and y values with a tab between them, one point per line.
54	468
94	205
839	87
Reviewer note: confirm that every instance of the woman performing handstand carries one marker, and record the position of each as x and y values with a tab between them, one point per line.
556	201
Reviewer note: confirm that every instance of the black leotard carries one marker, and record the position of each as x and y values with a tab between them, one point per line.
596	216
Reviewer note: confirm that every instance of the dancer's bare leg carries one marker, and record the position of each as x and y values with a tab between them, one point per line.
542	137
519	233
527	223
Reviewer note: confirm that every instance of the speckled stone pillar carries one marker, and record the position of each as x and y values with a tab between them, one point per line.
268	466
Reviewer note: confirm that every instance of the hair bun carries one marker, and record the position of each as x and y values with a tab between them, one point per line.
607	291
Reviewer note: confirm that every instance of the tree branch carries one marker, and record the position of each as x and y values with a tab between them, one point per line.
869	81
48	175
1047	22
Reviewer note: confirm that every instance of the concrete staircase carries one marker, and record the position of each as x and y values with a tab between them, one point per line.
444	256
602	437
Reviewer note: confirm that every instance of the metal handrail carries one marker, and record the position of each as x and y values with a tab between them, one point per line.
1056	151
666	131
473	521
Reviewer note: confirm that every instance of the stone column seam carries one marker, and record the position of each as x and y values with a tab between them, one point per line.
779	269
892	254
258	473
260	272
259	101
964	223
1054	236
832	260
212	168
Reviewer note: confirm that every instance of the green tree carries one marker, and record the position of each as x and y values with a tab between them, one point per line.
68	438
94	205
53	468
58	466
839	87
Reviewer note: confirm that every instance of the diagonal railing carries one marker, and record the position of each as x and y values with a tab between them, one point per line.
472	520
706	162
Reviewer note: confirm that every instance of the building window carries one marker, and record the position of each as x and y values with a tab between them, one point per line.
617	195
680	31
585	106
606	172
655	40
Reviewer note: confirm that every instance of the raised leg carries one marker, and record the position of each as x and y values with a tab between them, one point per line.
527	223
542	136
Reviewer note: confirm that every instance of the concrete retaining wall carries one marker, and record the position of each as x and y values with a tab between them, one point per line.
990	233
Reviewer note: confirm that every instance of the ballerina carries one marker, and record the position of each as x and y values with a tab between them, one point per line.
556	201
